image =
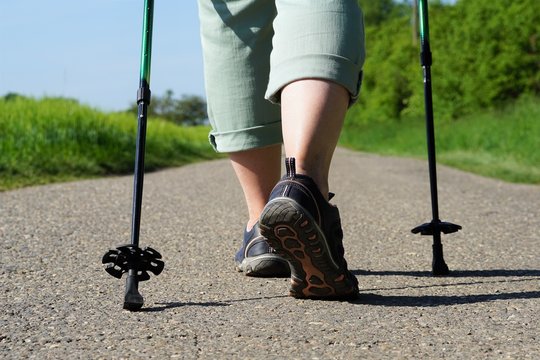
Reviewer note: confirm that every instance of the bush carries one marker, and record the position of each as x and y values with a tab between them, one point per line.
485	54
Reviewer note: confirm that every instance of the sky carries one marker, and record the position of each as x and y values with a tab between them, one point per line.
90	49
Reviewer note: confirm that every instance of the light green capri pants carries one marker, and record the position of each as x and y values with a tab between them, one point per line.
253	48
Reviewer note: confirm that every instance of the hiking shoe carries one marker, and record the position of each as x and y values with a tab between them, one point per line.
257	258
303	227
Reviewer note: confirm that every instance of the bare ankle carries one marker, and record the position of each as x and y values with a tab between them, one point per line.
251	223
320	179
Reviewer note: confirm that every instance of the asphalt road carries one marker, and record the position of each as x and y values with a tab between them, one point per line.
57	301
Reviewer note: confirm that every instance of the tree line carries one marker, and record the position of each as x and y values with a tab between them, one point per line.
485	53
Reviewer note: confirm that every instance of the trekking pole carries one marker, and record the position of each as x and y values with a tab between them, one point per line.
436	226
130	258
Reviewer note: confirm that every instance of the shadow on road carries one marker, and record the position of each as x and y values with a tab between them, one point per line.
368	298
172	305
524	275
454	273
440	300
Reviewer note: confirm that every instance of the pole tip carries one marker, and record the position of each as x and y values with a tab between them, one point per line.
133	300
133	304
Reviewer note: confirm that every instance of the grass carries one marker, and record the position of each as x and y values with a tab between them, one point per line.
51	140
502	144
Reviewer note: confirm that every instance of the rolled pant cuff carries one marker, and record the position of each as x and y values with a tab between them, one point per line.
244	139
317	66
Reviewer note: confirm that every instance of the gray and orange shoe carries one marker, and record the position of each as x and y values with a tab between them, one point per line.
256	258
304	228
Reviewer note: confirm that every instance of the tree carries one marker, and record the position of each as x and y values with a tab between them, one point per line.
414	22
189	110
12	96
485	53
376	11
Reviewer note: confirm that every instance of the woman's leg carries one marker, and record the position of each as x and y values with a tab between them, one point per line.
316	62
236	39
312	117
258	171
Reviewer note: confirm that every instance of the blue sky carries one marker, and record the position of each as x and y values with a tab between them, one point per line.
90	49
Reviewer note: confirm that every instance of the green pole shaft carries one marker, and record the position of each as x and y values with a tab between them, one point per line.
424	25
146	48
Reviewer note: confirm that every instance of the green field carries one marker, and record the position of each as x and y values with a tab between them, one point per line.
50	140
503	143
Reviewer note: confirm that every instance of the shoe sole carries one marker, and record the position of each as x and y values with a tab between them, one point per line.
266	265
295	236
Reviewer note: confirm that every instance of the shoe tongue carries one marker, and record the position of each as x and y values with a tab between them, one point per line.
290	166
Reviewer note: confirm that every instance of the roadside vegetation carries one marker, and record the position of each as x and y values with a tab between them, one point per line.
502	143
51	139
486	86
